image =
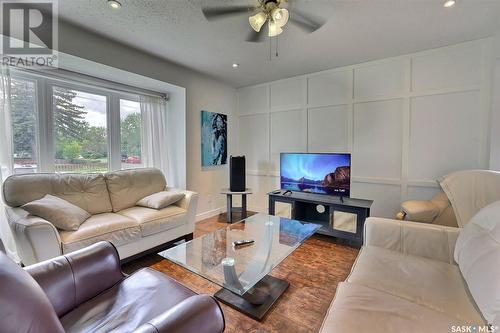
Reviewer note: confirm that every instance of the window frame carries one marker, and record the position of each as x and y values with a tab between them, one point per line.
37	117
44	113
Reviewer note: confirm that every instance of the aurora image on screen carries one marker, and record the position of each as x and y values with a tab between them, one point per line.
316	173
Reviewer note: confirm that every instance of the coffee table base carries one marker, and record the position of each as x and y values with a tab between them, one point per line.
257	301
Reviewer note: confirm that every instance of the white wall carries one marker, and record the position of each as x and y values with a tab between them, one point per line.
202	93
495	116
406	120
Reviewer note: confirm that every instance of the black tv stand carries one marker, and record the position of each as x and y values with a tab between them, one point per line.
341	217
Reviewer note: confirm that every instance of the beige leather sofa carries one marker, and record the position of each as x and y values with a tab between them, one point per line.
405	279
110	199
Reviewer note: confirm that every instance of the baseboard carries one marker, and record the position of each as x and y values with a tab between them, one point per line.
210	213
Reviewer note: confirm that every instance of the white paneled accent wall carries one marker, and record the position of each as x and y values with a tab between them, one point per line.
495	105
406	120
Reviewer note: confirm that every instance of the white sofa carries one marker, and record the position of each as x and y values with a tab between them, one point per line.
110	199
405	279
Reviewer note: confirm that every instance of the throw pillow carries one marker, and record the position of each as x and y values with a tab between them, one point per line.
161	199
477	253
62	214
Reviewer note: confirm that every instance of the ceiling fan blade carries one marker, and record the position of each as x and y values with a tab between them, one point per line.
213	13
256	37
305	21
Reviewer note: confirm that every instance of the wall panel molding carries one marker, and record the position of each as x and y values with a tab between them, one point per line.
422	106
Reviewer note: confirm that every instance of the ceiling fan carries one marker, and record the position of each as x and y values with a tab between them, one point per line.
272	12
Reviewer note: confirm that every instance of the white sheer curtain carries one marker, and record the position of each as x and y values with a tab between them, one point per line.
156	145
6	160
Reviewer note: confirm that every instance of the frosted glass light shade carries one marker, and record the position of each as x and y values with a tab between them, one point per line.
257	21
280	16
274	29
449	3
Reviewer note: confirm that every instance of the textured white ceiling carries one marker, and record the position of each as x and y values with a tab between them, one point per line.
356	31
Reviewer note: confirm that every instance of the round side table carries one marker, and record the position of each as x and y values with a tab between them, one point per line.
230	209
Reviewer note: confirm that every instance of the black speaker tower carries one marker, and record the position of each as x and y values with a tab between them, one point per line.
237	173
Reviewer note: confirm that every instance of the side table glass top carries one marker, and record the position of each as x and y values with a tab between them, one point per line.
214	257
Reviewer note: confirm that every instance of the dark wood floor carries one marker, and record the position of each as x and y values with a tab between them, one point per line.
313	270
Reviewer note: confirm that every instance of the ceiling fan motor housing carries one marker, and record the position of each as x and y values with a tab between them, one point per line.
269	5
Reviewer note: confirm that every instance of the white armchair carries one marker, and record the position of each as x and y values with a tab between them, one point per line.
437	210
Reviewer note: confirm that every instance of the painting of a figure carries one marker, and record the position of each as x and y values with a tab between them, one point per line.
213	139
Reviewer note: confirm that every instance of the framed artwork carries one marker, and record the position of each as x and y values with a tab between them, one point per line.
213	139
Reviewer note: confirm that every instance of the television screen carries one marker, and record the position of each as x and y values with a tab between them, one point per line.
316	173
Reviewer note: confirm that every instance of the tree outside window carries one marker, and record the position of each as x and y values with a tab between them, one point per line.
80	131
130	128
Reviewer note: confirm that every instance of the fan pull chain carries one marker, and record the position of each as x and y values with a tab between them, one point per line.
270	42
277	38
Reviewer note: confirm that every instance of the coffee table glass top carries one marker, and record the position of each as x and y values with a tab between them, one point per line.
238	269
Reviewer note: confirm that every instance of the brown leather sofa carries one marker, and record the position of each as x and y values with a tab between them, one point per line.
86	291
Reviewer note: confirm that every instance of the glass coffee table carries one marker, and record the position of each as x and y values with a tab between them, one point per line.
242	271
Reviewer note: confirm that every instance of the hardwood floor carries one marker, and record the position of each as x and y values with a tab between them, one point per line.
313	270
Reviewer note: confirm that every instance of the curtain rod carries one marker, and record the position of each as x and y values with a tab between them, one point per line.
92	81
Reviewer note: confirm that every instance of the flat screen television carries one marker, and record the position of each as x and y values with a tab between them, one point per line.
325	173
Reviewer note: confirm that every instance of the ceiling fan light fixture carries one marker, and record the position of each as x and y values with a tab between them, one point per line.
257	21
280	16
274	29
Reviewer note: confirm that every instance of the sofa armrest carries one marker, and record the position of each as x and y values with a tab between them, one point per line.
76	277
413	238
190	204
36	238
200	313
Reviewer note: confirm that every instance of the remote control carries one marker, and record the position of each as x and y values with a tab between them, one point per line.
242	242
276	192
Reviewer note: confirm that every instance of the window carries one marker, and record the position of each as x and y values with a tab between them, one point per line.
80	131
65	125
24	125
130	134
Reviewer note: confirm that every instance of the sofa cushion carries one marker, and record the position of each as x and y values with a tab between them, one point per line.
126	187
62	214
357	308
87	191
470	191
138	299
116	228
153	221
477	253
161	199
431	283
